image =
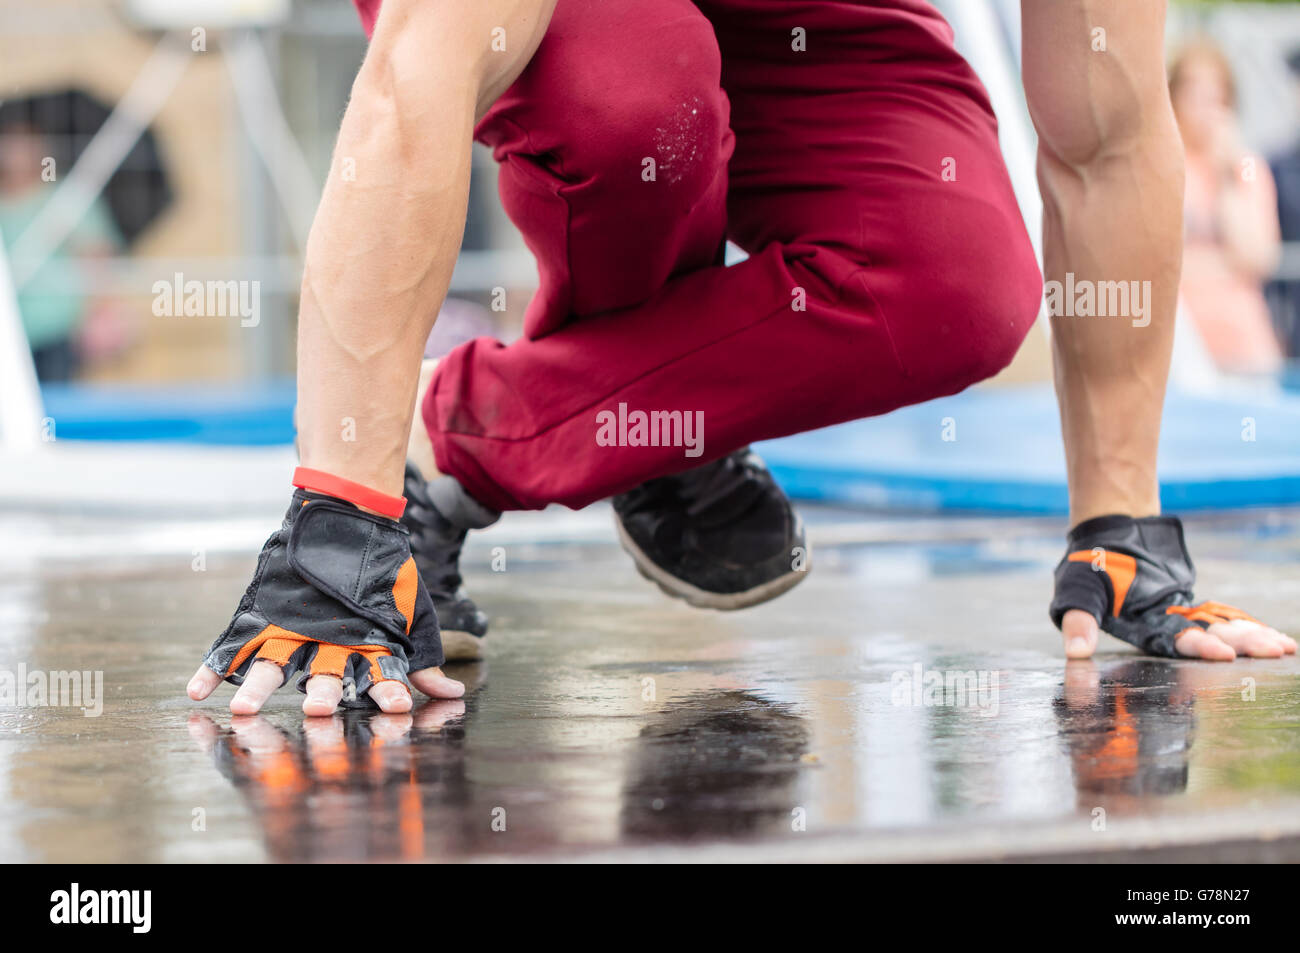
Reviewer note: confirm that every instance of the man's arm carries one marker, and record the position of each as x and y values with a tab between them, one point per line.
378	263
389	226
1110	167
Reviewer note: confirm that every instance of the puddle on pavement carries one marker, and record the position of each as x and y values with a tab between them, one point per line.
867	700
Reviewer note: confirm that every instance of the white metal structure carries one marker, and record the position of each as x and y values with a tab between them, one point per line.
20	399
212	14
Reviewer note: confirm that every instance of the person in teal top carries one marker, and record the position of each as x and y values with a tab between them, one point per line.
53	302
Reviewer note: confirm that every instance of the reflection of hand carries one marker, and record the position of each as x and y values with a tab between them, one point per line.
1129	726
305	786
260	739
323	739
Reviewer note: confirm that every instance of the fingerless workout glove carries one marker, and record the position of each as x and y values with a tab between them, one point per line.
1135	578
335	592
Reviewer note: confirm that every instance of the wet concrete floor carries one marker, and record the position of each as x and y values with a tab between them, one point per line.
610	723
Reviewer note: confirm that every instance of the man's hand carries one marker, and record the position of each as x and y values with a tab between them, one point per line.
1133	578
336	597
1218	642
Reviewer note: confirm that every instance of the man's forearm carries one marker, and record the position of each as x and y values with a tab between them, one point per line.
379	260
1111	173
1123	225
389	226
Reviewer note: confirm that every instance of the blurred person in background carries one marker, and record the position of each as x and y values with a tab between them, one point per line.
1284	293
56	303
1231	224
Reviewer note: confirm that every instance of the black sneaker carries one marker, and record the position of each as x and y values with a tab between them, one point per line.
439	515
721	536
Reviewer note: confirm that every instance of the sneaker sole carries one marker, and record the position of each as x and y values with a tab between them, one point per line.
702	598
461	646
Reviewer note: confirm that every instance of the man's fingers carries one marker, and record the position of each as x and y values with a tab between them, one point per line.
1200	643
391	696
1251	638
1288	644
1080	631
323	694
263	678
203	683
433	683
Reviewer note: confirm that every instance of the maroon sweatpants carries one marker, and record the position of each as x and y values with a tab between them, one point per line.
844	145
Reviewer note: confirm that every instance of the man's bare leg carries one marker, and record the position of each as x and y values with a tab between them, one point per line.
1110	168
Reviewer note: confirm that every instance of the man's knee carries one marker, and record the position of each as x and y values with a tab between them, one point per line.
640	105
664	143
965	319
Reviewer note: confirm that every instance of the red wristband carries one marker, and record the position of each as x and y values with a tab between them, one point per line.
391	506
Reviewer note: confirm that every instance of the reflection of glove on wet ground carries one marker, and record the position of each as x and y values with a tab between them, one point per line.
359	786
335	592
293	765
1135	577
1133	733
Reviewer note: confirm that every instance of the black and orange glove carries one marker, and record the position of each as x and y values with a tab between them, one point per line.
335	592
1135	578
